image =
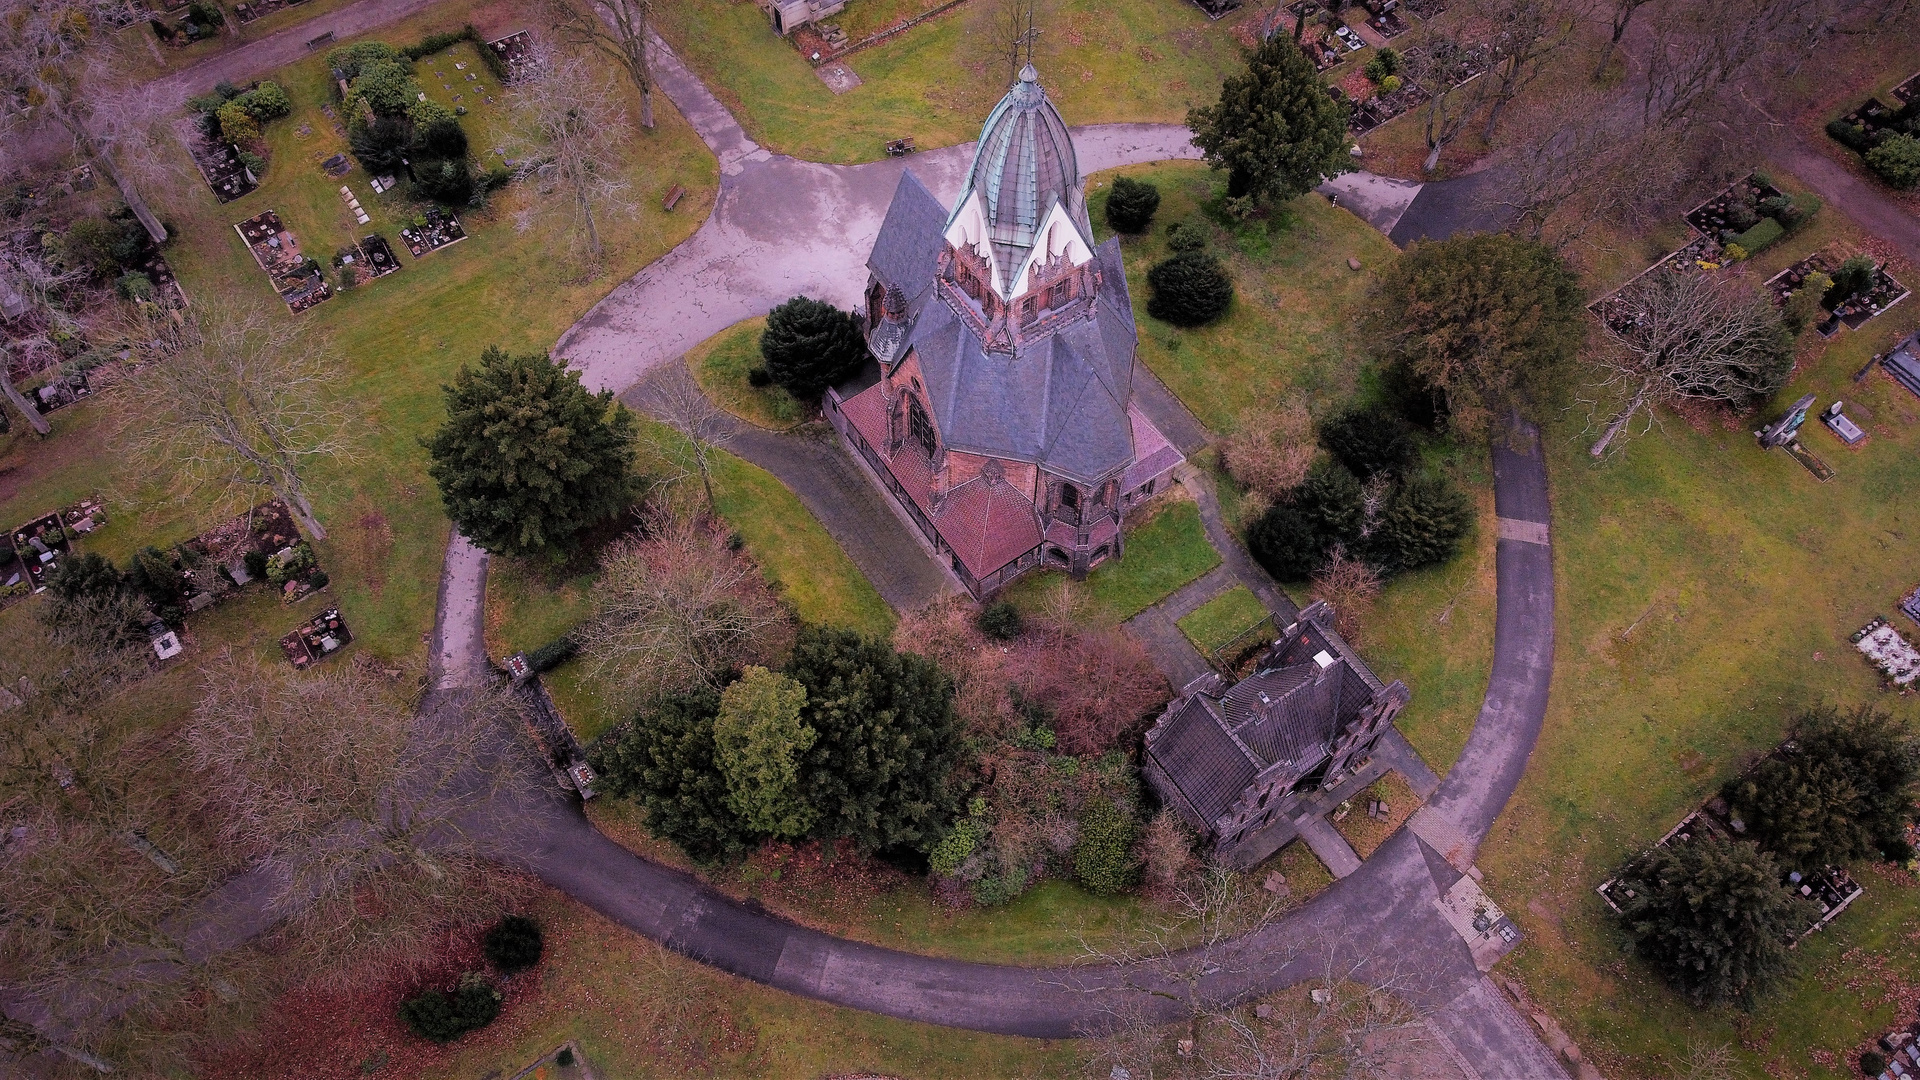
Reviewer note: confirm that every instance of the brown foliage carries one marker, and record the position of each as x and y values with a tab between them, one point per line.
944	632
1166	851
1099	684
1271	451
1350	587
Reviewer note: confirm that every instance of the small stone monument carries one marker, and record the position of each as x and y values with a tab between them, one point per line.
1787	428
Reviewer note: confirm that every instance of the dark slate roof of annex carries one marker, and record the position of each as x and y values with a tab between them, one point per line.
1290	714
1202	760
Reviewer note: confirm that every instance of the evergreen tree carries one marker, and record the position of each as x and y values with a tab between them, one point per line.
1840	789
1712	917
810	345
1283	541
81	578
528	458
879	770
1189	289
1131	204
1490	321
758	738
666	761
1275	130
1423	523
1368	440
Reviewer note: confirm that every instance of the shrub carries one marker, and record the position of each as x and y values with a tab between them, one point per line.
1103	856
1853	136
1803	307
1854	277
1368	440
1422	526
205	14
237	125
1185	236
1897	161
564	1058
1761	236
1190	289
155	575
84	578
448	181
665	761
553	654
1271	450
810	345
1283	541
255	164
759	377
434	43
291	568
378	144
999	621
993	890
387	86
1131	204
956	847
348	60
1840	789
436	134
513	944
1873	1063
442	1018
1390	84
93	243
256	563
266	102
1733	252
1384	65
134	285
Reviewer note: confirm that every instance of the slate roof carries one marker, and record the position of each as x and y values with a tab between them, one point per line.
906	254
1202	760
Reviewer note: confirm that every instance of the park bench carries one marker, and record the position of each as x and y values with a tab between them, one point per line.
900	147
673	198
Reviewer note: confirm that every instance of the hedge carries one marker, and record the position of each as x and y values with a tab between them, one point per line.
433	43
552	654
1763	235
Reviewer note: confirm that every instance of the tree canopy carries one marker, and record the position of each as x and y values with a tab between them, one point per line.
1711	917
810	345
1275	129
665	760
759	737
1489	321
1840	789
528	458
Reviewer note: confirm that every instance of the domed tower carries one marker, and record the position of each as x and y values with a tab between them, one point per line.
1001	414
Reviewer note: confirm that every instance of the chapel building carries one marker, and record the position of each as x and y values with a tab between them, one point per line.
1000	414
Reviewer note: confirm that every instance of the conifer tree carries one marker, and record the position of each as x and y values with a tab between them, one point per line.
1275	129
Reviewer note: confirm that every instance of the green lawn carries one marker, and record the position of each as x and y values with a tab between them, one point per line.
402	336
720	365
1166	547
1101	62
1218	621
1740	577
1289	332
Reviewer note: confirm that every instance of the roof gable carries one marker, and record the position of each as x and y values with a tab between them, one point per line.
906	253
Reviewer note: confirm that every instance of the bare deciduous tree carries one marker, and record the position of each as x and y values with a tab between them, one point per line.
1698	48
676	608
1692	336
1271	450
1442	66
1098	683
40	286
573	132
245	400
618	29
1619	17
61	69
1526	33
675	399
1350	587
1004	33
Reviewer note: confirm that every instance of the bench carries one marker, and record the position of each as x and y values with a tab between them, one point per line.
673	198
316	42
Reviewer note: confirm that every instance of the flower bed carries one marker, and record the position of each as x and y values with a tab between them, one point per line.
316	639
1702	253
295	276
436	229
222	169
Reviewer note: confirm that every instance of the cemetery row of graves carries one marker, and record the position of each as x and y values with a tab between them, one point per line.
261	548
1748	217
1886	136
386	111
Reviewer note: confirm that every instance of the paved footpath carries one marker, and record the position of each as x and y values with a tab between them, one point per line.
280	48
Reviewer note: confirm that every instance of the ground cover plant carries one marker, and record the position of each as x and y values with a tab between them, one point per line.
1215	624
1142	61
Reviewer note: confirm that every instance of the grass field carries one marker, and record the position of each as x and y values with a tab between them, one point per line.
1741	578
1288	334
402	336
1218	621
1166	547
720	365
1135	60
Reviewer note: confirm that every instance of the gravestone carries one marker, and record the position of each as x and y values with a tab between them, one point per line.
1787	428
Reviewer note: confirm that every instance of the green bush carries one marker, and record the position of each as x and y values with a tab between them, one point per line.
1422	525
1852	136
349	60
1368	440
1103	855
266	102
1384	65
999	621
442	1018
1873	1063
378	144
155	575
1839	790
434	43
513	944
1185	236
810	345
387	86
1284	541
956	847
1761	236
553	654
134	285
206	14
1131	204
447	181
1854	277
97	244
1897	161
665	761
295	566
83	578
256	563
994	890
1190	289
759	377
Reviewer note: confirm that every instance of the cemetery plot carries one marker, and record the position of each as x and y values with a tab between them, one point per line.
221	167
60	391
1875	116
84	516
464	84
1902	1052
1831	888
353	203
1217	8
15	582
337	166
1453	65
371	258
382	183
1383	16
316	639
1702	253
1903	363
1380	108
1907	91
436	230
1427	9
40	545
1878	292
1910	604
262	544
513	51
248	10
295	277
1751	213
1885	648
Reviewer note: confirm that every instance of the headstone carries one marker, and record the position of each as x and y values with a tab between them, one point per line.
1787	428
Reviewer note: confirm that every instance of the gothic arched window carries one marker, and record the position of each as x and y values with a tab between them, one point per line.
920	426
